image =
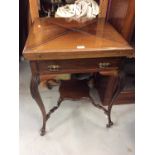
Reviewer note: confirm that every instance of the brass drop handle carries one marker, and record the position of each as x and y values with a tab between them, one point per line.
53	67
104	64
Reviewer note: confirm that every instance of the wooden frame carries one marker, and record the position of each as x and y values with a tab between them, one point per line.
124	25
128	23
34	7
103	8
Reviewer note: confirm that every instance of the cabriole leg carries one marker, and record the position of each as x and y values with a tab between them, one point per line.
36	95
120	79
110	123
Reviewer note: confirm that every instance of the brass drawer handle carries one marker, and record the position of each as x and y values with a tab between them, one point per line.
104	64
53	67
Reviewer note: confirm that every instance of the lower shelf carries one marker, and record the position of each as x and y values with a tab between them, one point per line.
79	89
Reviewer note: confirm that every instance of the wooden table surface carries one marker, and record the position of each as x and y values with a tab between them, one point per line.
58	38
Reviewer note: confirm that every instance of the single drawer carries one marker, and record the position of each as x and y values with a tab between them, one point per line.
77	65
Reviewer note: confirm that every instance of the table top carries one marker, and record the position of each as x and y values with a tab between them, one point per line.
59	38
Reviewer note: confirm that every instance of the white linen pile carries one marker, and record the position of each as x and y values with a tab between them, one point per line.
81	8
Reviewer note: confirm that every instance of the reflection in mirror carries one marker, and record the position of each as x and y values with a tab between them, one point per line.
69	8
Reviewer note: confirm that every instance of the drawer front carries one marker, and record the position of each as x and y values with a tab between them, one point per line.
78	65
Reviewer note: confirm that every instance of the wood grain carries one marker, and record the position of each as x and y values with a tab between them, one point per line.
78	65
48	34
121	14
103	4
75	47
34	9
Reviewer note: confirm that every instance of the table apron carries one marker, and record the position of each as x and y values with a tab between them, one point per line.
75	65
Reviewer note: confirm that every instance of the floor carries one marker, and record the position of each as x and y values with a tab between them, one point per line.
76	128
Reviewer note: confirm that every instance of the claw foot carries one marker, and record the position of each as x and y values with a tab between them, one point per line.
42	132
109	124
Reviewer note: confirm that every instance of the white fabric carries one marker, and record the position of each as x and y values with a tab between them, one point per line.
81	8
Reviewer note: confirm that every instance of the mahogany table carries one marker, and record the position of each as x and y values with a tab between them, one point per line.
58	46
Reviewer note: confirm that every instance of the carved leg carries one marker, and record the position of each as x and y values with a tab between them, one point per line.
54	108
115	85
119	86
110	123
107	112
36	95
114	82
